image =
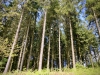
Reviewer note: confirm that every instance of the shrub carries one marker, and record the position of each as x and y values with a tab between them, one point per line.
78	65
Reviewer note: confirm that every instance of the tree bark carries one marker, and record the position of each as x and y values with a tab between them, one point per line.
11	64
68	59
59	51
91	60
31	47
48	54
52	60
21	65
42	42
20	56
14	43
97	24
72	45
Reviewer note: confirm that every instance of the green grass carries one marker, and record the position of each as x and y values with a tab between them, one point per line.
87	71
78	71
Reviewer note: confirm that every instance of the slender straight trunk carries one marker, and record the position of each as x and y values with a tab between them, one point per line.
78	53
86	60
20	56
21	65
59	50
95	54
31	47
34	65
91	60
29	57
11	65
14	43
37	65
52	56
42	42
72	45
68	59
80	56
62	60
97	24
52	61
48	54
99	60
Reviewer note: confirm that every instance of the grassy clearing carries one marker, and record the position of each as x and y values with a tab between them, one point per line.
79	71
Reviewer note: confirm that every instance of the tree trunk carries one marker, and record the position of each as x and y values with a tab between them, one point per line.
20	56
52	60
11	64
48	54
14	43
29	57
59	50
72	45
24	49
95	55
42	42
99	60
52	54
90	56
37	65
97	24
68	59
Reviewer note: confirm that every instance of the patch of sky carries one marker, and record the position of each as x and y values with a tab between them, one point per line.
82	14
21	3
65	63
19	6
39	16
61	28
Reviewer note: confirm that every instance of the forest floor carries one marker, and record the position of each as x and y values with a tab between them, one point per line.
79	71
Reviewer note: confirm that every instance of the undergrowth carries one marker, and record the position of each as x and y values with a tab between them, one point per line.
80	70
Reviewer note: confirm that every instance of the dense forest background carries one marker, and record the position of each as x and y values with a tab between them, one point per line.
49	34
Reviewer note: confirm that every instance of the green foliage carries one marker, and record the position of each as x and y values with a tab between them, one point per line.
78	66
4	50
65	8
90	17
87	71
78	71
92	5
11	14
1	28
90	2
85	38
58	12
3	61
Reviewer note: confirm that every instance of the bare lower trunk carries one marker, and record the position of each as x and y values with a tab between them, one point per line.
52	60
68	59
14	43
37	61
11	65
29	57
72	45
42	42
48	54
20	56
21	65
91	60
99	59
59	51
